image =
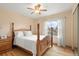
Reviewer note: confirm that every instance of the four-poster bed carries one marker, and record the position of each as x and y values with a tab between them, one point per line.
37	44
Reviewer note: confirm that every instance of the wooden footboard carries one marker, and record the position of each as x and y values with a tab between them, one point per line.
44	44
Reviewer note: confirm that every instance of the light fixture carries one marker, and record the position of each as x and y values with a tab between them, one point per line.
37	9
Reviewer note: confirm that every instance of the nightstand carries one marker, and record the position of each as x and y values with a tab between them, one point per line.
5	44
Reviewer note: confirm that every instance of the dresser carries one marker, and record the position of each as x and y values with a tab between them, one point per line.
5	44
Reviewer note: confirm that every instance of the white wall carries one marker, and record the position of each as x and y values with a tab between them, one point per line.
6	17
68	24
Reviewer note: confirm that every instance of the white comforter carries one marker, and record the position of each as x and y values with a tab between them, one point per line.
28	42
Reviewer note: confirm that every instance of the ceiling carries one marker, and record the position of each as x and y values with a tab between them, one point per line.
52	8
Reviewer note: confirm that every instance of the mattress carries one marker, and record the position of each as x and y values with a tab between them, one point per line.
28	42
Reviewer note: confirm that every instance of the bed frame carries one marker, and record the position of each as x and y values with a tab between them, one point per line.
42	45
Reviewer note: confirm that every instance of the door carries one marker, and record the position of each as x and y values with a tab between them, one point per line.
76	30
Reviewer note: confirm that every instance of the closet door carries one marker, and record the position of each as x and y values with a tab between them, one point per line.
76	31
78	28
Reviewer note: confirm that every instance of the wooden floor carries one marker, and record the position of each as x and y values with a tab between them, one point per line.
54	51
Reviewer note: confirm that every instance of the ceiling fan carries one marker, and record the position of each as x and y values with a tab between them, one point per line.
37	9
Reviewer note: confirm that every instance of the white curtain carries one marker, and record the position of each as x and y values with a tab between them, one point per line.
61	32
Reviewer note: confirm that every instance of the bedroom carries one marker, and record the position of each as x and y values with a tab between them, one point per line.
19	16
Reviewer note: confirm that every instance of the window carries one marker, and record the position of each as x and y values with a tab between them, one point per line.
54	25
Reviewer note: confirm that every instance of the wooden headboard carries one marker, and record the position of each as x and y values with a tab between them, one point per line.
13	30
21	29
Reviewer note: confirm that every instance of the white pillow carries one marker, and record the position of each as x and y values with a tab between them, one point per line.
27	33
19	33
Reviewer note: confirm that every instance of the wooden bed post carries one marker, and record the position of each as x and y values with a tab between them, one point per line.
38	32
51	36
30	28
12	33
38	40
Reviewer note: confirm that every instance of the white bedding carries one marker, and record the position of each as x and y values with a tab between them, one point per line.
28	42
